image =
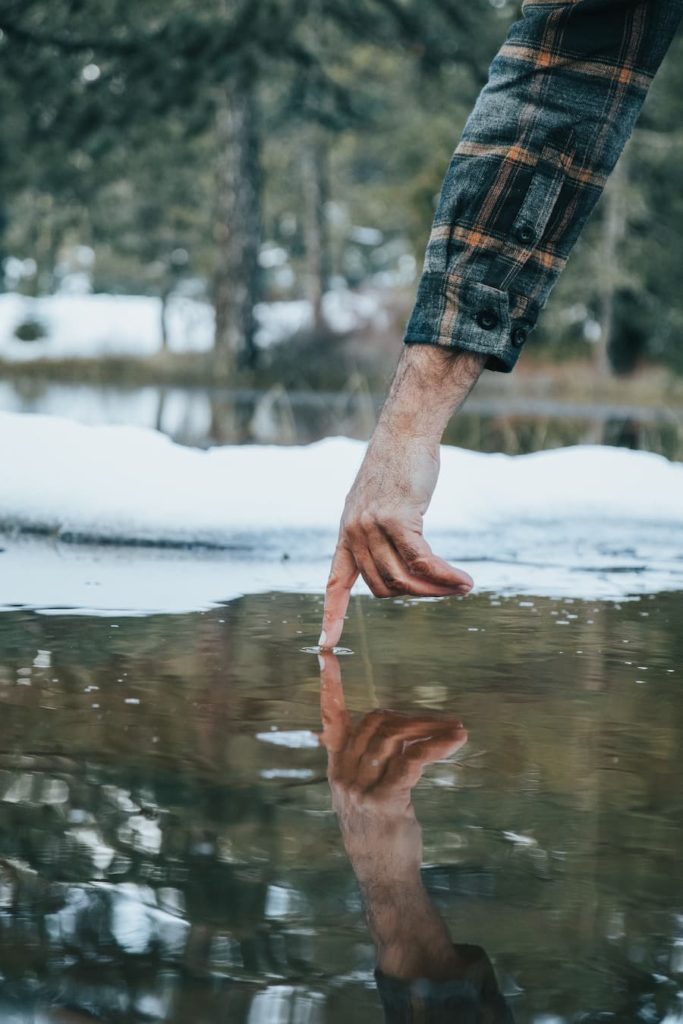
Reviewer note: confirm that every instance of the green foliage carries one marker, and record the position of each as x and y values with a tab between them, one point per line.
117	98
108	139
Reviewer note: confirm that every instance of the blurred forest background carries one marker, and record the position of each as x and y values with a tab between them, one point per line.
236	154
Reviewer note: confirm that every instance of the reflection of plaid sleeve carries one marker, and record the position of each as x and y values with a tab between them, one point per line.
472	998
563	95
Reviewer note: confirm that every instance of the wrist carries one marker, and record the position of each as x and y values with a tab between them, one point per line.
430	383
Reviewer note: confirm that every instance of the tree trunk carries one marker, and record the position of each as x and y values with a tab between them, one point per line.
165	296
614	231
316	194
4	223
238	231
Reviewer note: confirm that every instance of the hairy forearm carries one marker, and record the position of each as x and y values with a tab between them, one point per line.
410	937
429	385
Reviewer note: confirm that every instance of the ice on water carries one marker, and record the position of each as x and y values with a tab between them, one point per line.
193	528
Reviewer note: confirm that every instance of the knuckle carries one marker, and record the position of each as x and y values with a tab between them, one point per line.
344	528
366	520
353	530
389	522
334	580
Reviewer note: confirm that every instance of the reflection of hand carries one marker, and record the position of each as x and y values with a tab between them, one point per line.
372	768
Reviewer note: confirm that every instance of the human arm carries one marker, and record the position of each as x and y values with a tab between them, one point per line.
563	95
380	534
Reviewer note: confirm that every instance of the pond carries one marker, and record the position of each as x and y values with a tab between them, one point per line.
203	417
169	851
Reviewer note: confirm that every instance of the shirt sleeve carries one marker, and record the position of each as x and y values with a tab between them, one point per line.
563	95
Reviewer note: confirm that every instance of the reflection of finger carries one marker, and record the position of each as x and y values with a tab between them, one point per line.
332	703
394	736
383	735
423	563
427	738
399	577
437	747
364	731
405	770
398	729
343	575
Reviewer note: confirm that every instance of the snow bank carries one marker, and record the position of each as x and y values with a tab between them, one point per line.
584	521
90	326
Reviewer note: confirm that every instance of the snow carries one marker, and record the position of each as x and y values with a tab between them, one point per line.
580	522
92	326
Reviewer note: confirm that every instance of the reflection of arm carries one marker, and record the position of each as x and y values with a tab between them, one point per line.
383	840
419	970
410	937
372	770
470	998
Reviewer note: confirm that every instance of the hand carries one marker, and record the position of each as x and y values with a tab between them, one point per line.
372	769
380	536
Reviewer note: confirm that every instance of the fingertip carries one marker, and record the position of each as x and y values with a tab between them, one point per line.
461	579
466	582
461	734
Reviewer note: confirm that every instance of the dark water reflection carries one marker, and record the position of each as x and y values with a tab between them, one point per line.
197	416
169	851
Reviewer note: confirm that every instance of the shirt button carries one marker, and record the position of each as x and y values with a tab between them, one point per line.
487	319
518	336
525	233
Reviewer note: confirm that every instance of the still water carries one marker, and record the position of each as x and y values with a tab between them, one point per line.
204	417
169	849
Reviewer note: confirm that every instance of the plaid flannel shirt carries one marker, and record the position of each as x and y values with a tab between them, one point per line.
563	95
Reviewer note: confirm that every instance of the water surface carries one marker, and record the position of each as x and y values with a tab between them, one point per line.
209	416
168	850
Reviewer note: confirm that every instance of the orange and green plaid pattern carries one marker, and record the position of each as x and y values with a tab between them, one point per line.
563	95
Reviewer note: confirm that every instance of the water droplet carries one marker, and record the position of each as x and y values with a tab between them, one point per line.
319	650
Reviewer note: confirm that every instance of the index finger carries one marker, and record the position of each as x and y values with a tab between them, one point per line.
343	575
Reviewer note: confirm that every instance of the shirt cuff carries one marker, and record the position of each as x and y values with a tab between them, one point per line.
458	312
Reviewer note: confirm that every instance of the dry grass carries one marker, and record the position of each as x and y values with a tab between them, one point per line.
330	368
579	382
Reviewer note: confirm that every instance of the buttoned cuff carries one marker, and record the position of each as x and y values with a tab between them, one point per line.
458	312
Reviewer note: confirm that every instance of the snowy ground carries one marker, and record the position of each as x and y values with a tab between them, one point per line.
90	326
580	522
